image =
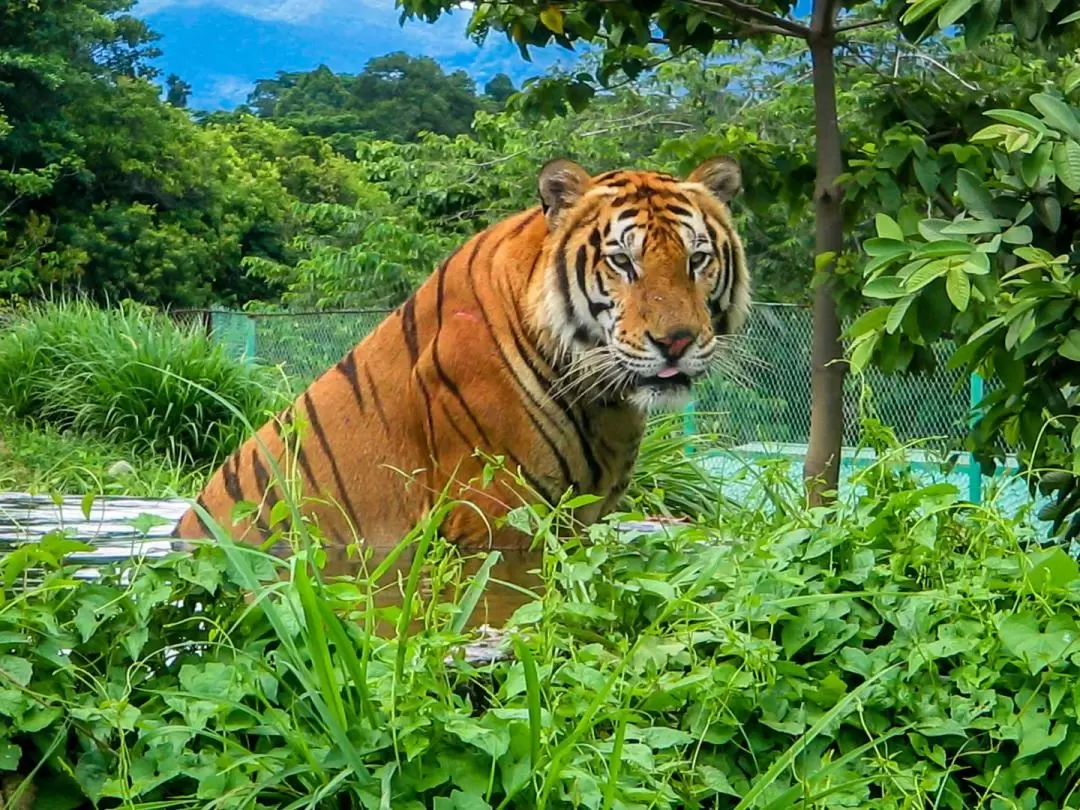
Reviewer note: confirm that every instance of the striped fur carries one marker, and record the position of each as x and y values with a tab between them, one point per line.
540	341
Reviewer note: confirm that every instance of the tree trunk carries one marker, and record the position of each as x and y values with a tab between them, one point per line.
827	365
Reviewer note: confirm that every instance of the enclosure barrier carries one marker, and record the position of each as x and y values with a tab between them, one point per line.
760	405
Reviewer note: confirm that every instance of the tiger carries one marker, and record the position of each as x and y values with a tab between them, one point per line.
543	343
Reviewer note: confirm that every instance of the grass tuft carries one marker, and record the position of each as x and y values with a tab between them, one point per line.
105	373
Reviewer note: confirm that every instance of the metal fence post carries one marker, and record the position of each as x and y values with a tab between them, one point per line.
249	338
689	422
974	471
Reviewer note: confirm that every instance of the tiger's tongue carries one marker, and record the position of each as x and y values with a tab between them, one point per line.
667	372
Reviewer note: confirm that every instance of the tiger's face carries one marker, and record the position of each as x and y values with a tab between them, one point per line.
646	281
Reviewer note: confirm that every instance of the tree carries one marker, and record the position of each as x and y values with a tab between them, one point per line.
395	97
177	91
626	29
499	88
996	268
629	33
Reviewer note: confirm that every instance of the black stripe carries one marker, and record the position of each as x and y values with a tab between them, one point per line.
627	213
709	229
678	210
432	450
580	265
320	434
562	275
408	327
513	375
600	285
231	479
199	518
375	397
546	382
521	226
348	367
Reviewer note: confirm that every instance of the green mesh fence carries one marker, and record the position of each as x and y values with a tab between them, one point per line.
764	396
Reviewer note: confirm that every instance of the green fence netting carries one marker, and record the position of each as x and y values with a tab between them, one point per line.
763	398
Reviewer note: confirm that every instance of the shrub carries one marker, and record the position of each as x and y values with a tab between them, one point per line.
900	649
124	375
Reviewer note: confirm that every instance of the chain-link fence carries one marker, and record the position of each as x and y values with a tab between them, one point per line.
761	396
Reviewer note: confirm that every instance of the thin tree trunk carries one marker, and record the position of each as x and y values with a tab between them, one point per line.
827	365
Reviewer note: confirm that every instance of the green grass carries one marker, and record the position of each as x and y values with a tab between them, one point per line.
45	460
118	375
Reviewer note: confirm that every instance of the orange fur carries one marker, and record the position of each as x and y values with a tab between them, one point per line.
534	342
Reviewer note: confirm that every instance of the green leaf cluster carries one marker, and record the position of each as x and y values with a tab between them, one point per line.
901	648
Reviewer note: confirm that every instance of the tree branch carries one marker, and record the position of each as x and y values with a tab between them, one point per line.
766	22
841	29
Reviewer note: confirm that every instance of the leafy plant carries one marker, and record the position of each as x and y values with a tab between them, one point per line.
1000	277
900	648
112	374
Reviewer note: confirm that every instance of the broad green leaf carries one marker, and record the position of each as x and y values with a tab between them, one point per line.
659	737
994	133
897	312
973	194
1067	164
958	287
869	321
941	248
971	227
929	272
885	288
862	349
885	248
888	228
1071	80
1057	113
952	11
919	9
1019	119
1017	235
1033	166
1070	348
1049	211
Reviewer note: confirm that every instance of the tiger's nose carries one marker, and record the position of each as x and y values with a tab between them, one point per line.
674	344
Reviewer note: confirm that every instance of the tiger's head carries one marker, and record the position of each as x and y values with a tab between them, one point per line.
646	278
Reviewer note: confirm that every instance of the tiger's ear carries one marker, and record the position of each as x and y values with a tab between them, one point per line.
561	184
720	175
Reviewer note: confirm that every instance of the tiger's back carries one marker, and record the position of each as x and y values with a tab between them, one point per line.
497	352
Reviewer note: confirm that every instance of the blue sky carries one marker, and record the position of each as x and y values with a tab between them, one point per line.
222	46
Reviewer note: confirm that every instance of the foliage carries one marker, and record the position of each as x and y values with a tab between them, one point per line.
898	649
124	375
395	98
1000	277
39	458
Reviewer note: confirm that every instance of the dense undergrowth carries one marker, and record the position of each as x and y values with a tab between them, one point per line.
121	375
902	649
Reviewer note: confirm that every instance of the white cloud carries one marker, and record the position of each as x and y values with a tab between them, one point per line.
287	11
224	92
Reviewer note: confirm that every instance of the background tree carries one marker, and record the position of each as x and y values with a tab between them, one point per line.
499	88
627	31
177	91
395	97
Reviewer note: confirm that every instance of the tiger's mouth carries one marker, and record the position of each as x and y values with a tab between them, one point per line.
666	382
